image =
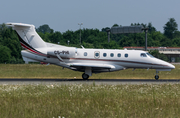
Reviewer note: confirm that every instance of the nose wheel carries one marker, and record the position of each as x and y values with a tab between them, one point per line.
85	76
156	76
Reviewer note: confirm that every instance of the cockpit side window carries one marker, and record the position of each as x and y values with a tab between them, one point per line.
150	55
143	55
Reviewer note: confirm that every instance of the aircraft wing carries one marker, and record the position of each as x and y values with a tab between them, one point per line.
105	66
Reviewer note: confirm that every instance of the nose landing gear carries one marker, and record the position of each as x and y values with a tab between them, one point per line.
156	76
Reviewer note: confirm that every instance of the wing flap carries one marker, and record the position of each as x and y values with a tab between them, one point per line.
106	66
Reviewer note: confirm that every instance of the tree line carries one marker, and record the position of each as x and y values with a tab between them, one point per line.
10	48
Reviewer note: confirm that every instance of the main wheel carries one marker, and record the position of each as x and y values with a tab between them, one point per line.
156	77
85	76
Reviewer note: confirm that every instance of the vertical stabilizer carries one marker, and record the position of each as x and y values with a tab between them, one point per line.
28	35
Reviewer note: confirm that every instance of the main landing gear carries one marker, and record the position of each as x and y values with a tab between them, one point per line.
87	73
85	76
157	76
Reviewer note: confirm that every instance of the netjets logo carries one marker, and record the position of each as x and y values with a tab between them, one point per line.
62	52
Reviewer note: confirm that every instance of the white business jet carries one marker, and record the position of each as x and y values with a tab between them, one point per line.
85	60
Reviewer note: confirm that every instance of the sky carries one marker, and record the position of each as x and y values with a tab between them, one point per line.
63	15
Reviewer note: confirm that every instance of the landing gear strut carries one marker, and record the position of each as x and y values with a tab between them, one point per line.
85	76
157	76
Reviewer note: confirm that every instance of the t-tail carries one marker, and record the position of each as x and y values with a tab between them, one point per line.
30	41
27	35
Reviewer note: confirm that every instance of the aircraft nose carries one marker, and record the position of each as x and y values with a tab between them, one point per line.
171	66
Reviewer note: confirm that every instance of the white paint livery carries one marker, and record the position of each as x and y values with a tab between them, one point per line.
80	59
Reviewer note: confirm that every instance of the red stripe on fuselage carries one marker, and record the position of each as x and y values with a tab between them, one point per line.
24	46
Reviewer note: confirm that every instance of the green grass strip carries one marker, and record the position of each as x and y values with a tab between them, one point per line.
52	71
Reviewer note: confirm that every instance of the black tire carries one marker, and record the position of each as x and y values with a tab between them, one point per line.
156	77
85	76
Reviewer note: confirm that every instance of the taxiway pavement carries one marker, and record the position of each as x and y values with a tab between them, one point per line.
28	81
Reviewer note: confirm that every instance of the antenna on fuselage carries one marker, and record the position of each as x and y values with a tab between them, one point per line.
82	47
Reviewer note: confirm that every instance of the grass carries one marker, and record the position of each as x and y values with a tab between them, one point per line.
56	72
48	101
87	101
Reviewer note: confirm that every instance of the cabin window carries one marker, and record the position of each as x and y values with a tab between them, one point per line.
104	54
126	55
143	55
85	53
118	55
96	54
112	54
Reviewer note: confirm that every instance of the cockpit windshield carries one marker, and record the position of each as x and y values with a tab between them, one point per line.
149	55
143	55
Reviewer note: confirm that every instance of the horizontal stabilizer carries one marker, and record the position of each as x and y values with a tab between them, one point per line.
18	25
